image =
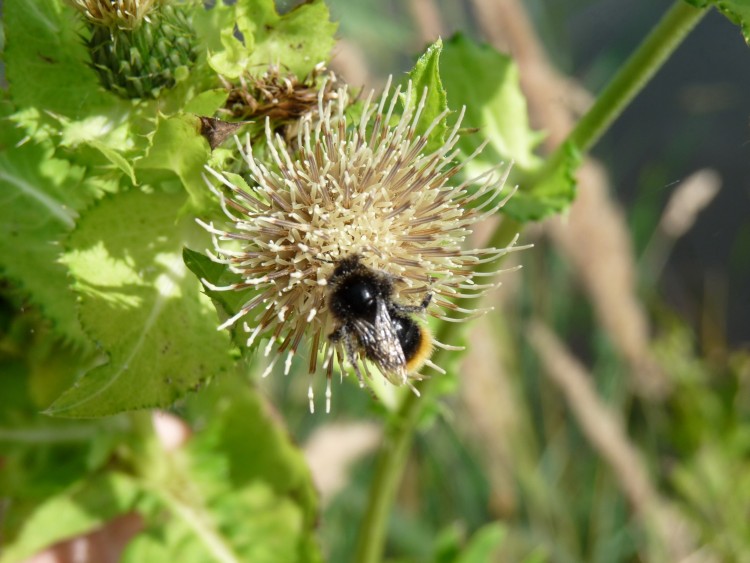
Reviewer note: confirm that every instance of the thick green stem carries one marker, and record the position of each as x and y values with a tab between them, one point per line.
399	431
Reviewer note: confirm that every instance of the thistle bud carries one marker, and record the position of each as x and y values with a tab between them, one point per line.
138	47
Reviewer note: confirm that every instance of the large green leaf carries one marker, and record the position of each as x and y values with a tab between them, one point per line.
46	61
141	305
298	40
486	83
39	199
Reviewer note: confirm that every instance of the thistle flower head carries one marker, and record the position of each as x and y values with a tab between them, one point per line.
368	189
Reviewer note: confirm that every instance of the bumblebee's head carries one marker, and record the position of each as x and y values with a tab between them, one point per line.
355	289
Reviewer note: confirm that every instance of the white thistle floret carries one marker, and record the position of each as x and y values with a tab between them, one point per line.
370	190
122	14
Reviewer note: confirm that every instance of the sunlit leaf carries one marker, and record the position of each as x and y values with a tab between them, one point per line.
39	199
46	61
253	498
486	83
295	41
141	305
425	77
178	148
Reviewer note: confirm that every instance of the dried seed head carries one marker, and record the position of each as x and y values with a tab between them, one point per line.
283	98
368	189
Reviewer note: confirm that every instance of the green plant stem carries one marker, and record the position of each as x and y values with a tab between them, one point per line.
399	431
650	56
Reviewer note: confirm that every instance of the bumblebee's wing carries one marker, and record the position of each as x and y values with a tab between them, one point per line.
381	344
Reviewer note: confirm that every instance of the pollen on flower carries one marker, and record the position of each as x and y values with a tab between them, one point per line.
355	199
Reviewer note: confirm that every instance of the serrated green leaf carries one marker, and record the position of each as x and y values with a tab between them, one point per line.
80	509
548	195
246	524
138	301
256	448
217	274
46	61
210	23
297	41
232	59
115	158
425	76
39	199
178	147
486	82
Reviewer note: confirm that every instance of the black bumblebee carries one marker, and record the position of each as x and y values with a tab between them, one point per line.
370	322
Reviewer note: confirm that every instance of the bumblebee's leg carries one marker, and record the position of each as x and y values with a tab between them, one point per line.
413	308
343	333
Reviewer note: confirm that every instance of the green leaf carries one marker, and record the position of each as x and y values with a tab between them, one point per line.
206	269
82	508
139	303
425	76
737	11
115	158
206	103
39	199
231	60
483	544
549	195
245	446
210	24
177	147
298	40
486	82
254	446
46	61
252	498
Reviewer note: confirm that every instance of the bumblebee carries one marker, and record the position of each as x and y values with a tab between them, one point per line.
370	323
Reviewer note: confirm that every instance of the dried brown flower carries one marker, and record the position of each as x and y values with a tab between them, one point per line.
283	98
